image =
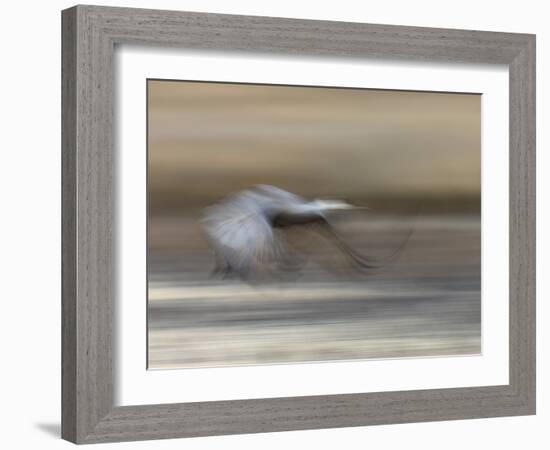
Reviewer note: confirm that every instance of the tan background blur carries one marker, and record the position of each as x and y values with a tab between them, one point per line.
412	157
210	139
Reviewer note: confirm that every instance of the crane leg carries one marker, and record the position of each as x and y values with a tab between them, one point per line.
222	267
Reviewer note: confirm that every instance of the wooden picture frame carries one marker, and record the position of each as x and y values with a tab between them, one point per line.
90	34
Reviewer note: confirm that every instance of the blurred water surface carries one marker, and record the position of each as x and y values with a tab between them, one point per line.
425	303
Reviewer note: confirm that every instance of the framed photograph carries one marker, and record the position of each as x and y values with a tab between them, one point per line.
278	224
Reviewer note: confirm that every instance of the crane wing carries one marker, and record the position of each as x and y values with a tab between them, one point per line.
243	236
362	261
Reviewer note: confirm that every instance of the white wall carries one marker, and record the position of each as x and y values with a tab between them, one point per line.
30	187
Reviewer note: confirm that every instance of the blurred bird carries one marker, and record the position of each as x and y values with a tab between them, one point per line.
244	230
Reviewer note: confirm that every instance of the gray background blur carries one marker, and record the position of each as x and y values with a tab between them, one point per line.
413	157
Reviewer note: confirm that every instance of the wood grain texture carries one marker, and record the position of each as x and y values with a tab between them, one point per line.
523	224
89	36
68	226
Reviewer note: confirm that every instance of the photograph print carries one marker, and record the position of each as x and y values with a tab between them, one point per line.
298	224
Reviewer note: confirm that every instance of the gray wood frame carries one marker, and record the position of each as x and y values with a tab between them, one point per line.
89	36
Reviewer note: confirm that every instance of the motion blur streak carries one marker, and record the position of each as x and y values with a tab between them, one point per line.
389	150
